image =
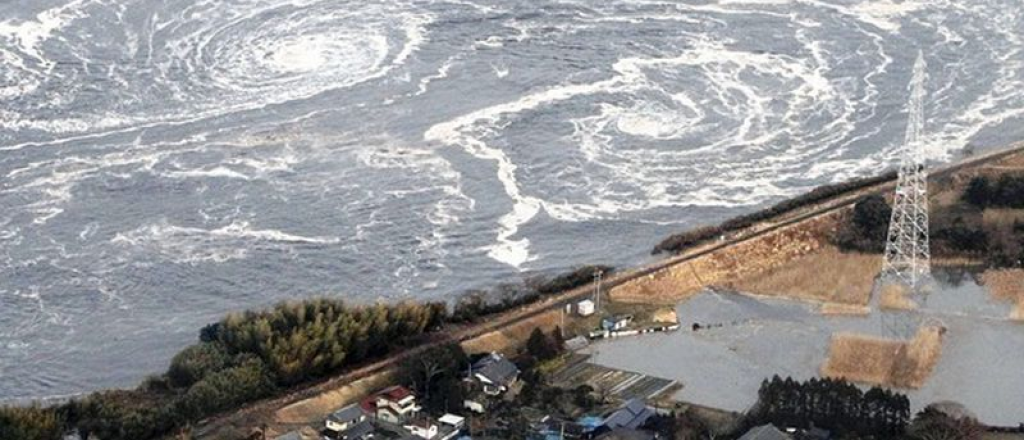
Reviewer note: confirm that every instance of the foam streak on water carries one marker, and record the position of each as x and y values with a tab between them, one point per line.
164	162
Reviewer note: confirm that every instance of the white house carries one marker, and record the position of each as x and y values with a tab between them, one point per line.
585	307
396	405
452	420
616	323
422	428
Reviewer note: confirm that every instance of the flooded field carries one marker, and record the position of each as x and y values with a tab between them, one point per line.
746	339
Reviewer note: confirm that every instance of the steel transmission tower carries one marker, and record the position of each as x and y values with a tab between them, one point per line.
907	252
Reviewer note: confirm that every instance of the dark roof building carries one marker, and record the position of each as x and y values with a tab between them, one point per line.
495	372
361	430
765	432
632	415
626	434
346	415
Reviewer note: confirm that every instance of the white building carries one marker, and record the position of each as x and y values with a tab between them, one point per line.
452	420
422	429
585	307
396	405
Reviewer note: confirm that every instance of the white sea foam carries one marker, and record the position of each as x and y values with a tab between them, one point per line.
643	169
192	245
235	59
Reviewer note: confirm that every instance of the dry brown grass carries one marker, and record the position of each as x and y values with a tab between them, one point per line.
919	357
1013	161
828	276
509	340
1007	285
894	297
316	408
945	197
844	309
861	358
878	361
687	277
665	315
995	218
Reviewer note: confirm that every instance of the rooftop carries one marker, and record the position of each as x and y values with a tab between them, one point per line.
765	432
346	414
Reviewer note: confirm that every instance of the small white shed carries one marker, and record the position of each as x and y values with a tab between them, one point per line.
585	308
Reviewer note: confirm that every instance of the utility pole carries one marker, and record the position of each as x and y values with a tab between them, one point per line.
907	249
561	328
907	263
597	290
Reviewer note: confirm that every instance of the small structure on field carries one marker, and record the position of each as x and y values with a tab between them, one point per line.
615	323
585	308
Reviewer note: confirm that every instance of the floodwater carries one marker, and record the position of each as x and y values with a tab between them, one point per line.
752	339
163	162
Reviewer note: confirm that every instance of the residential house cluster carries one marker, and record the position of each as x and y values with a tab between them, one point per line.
394	413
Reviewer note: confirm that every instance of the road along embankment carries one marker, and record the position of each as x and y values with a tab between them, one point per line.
756	249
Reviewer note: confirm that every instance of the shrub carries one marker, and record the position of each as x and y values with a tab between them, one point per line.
872	214
978	192
194	362
30	423
224	389
1006	192
867	227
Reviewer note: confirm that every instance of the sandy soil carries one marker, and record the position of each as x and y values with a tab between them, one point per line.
894	297
665	315
869	359
1007	285
828	276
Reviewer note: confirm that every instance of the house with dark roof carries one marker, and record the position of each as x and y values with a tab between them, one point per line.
345	418
626	434
495	373
348	423
765	432
632	415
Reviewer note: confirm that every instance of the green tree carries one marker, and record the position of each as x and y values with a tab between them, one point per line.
978	192
194	362
871	215
540	346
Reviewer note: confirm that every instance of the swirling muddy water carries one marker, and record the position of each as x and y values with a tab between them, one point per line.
164	162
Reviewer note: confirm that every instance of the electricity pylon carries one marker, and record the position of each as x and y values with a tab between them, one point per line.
907	250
